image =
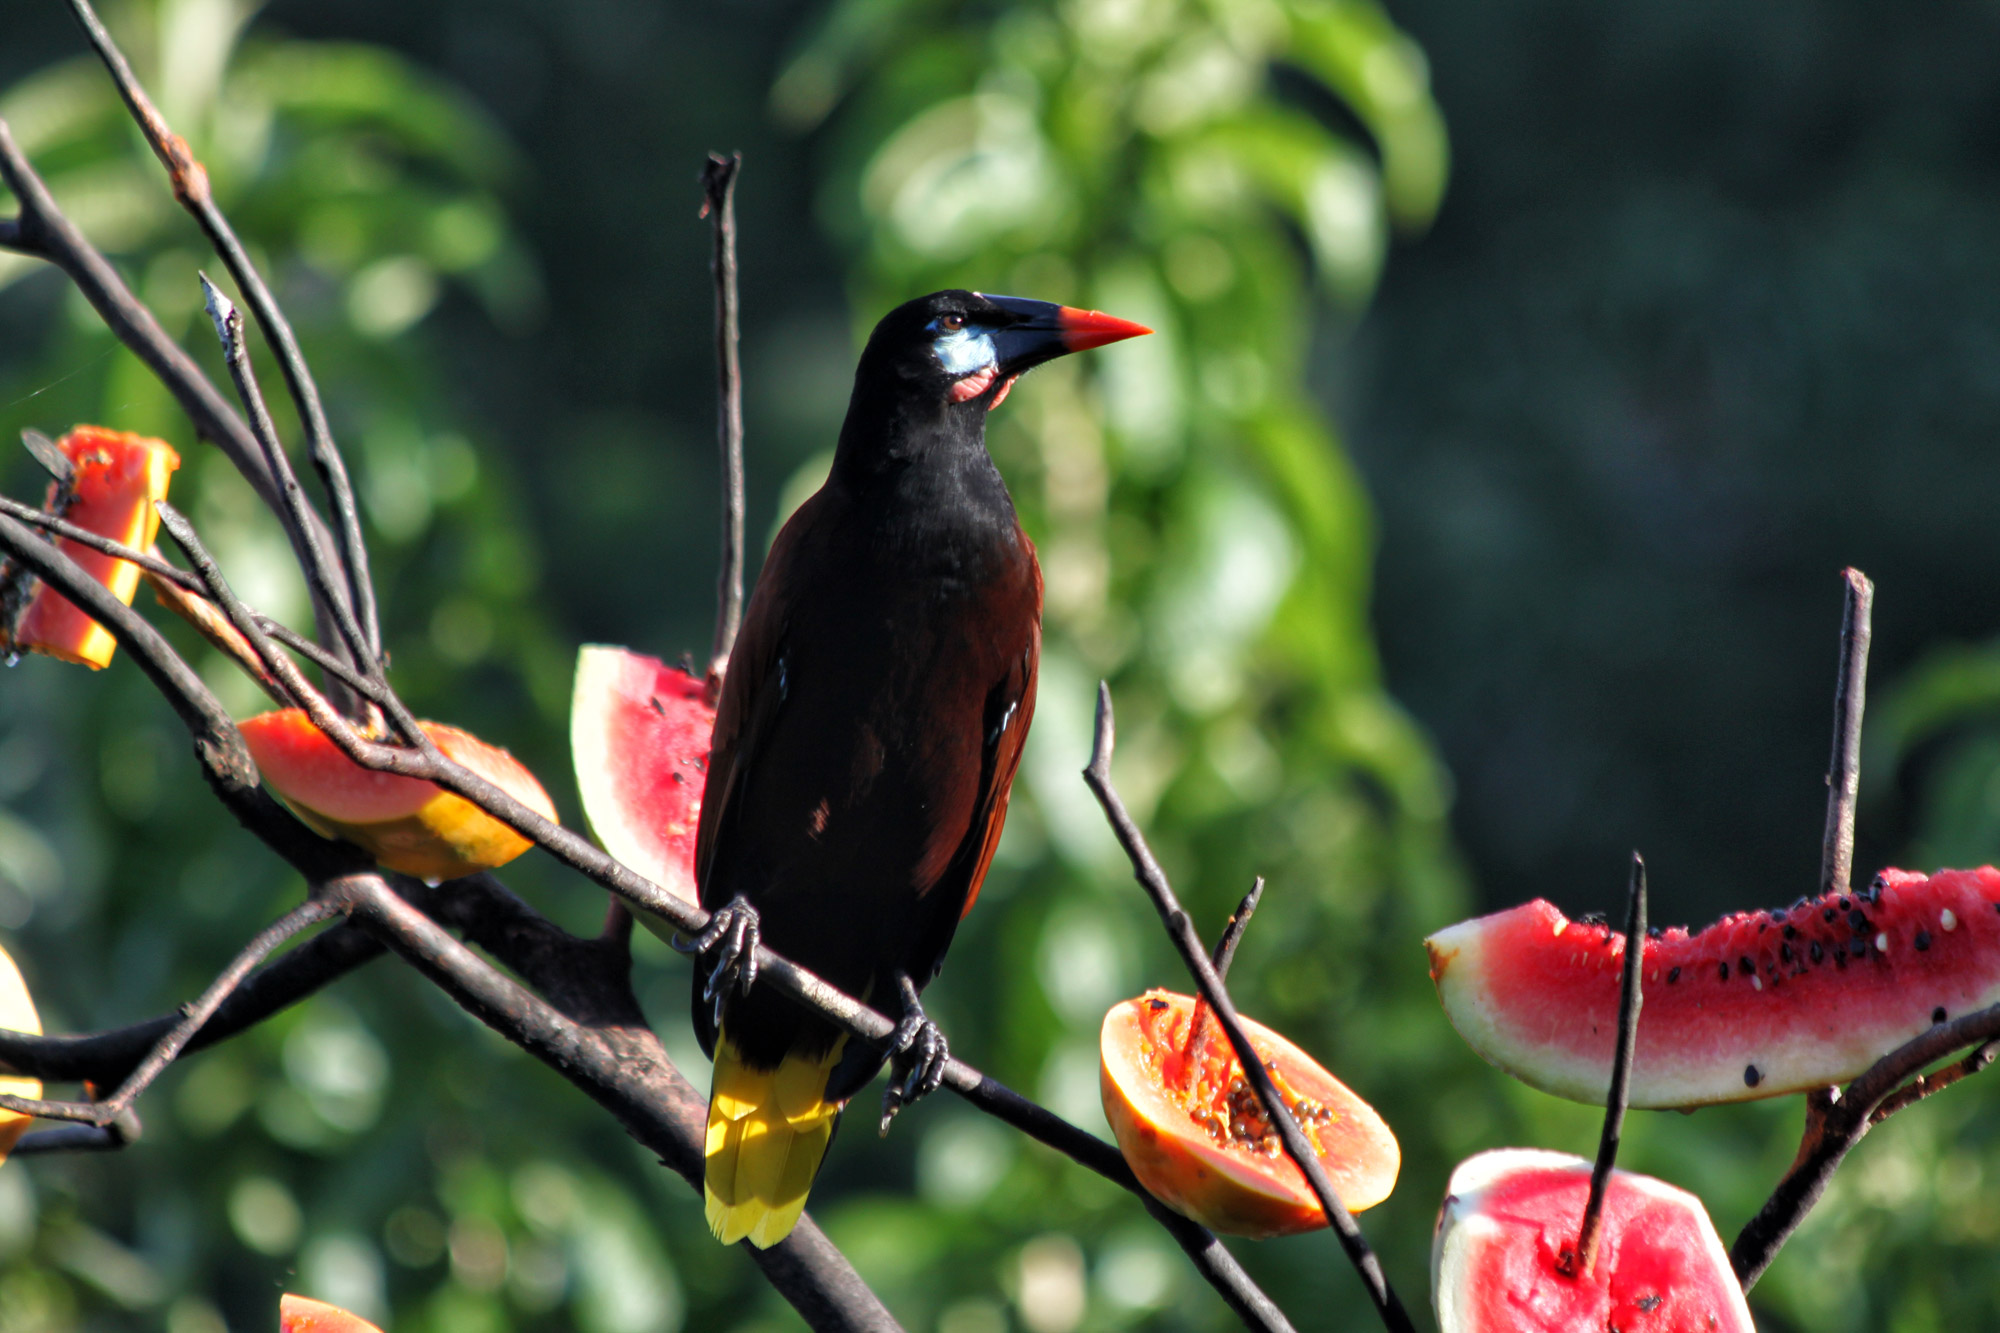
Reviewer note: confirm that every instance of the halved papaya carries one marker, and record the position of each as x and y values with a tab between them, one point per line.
405	823
1193	1132
118	477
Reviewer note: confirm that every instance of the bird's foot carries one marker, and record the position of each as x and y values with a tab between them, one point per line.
918	1054
729	946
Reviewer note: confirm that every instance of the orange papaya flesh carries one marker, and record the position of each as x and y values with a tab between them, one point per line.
302	1314
118	478
639	737
17	1014
1196	1136
407	824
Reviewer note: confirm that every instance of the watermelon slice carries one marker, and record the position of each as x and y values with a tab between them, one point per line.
117	478
1756	1005
1498	1266
639	733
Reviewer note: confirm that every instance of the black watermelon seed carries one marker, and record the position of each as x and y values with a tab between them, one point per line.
1828	914
1745	966
1778	917
1857	920
1673	975
1800	905
1857	946
1791	932
1937	1014
1922	941
1844	903
1817	952
1156	1005
1751	1078
1725	971
1785	952
1648	1304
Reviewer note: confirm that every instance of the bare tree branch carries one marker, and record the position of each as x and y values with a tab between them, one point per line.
718	183
1850	698
1838	1120
109	1057
615	1059
44	232
190	186
296	514
1629	1000
1181	931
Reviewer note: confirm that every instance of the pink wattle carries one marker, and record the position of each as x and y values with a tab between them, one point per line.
978	382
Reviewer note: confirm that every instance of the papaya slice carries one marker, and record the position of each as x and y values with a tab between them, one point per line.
1498	1258
1194	1133
17	1014
407	824
639	733
117	478
303	1314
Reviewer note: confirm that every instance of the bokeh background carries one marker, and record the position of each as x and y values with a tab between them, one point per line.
1526	372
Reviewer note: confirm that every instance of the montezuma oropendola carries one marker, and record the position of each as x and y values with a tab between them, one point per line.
870	723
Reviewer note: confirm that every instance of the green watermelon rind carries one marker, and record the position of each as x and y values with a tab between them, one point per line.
1470	1228
1537	994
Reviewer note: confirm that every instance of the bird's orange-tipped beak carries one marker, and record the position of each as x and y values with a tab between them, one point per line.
1085	329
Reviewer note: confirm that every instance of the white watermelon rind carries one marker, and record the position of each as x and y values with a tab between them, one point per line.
1565	1050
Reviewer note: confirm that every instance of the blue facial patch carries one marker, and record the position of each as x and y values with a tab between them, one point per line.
964	351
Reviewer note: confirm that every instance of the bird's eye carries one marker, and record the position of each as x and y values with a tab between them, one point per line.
951	323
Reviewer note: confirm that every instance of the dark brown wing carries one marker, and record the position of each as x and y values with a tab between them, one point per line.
753	691
963	853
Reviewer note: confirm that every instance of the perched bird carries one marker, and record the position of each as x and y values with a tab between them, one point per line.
867	735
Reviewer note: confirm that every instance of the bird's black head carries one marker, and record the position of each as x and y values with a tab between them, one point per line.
935	366
957	348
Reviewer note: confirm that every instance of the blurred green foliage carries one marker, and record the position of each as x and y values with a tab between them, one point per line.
1231	173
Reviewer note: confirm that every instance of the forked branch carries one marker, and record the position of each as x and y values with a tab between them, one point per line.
1181	931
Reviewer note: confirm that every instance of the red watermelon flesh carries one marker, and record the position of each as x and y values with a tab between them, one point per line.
639	735
1756	1005
1498	1259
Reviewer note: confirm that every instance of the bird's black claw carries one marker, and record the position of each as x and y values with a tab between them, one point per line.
730	942
918	1054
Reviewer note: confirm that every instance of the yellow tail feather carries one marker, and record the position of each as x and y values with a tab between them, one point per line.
767	1130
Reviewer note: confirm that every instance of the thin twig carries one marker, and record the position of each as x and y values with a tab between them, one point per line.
190	186
718	184
1929	1085
1194	1052
1629	1000
309	913
1840	1122
1850	697
193	1017
109	1057
1181	931
44	232
295	512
